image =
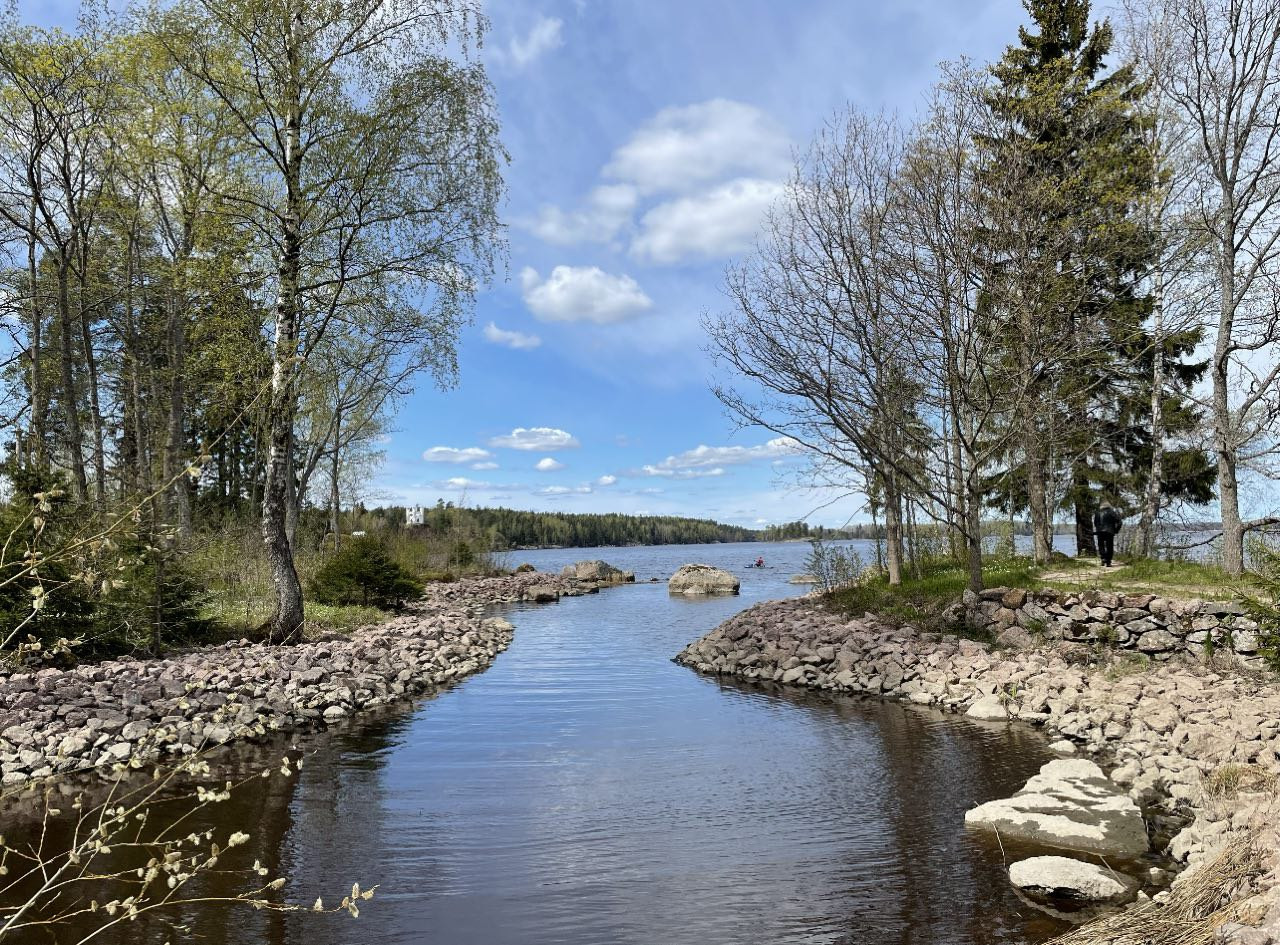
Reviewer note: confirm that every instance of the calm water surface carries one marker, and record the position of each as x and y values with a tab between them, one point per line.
587	790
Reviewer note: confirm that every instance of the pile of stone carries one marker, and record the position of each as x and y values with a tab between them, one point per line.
1170	728
1160	627
54	721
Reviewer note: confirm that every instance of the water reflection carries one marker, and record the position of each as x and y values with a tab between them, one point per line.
587	790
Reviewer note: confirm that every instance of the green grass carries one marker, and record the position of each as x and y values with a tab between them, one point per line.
234	620
1171	578
922	601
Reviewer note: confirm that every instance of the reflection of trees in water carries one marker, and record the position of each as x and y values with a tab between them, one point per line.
937	882
267	809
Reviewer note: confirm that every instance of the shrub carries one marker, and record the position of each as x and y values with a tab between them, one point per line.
363	573
834	566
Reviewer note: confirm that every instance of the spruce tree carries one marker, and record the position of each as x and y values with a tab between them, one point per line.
1067	243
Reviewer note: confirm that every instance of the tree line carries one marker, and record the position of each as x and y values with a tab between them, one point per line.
1054	287
506	529
233	234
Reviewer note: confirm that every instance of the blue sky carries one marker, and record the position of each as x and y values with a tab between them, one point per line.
646	137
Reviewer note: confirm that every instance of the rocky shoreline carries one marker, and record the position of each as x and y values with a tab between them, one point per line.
1196	747
128	711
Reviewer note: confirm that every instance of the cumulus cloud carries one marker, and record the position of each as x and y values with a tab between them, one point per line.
710	460
484	465
542	38
582	294
542	439
606	480
516	340
711	457
685	146
717	223
449	454
548	464
607	209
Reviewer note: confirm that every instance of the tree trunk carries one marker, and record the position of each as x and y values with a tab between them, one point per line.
74	435
95	406
176	446
892	531
335	498
973	527
286	623
1086	545
1223	426
1036	493
1144	540
38	449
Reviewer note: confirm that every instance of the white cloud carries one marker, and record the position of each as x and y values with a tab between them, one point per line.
544	36
542	439
660	470
710	460
547	464
606	480
462	483
563	490
684	146
484	465
717	223
515	340
582	293
449	454
607	209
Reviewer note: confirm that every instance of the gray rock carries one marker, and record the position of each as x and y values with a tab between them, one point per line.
989	709
1061	877
596	570
1071	805
701	579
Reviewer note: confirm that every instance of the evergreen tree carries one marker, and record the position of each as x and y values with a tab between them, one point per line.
1068	244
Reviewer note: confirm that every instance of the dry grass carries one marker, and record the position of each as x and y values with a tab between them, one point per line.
1204	900
1231	780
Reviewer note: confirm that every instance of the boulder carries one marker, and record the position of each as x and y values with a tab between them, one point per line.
1060	877
541	593
597	570
804	579
989	709
1070	805
702	579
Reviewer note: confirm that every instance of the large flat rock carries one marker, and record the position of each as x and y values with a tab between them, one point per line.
1060	877
1069	805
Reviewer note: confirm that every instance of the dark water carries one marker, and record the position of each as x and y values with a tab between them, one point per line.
587	790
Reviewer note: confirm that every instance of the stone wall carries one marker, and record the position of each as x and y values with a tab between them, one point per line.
1160	627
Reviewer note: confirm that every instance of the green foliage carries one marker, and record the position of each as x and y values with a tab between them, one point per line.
1263	605
922	602
42	598
833	565
363	573
154	601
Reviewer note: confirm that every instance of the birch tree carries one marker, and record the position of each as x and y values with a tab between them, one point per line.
375	167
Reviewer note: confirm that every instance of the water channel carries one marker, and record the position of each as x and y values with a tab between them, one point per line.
585	789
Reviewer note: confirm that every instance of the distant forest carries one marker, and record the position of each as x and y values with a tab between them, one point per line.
503	529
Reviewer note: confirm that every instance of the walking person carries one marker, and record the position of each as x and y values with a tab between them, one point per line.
1106	522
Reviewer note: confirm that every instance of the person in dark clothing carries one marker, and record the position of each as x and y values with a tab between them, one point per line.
1106	522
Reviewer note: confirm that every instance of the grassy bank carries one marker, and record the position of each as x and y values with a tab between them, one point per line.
922	601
